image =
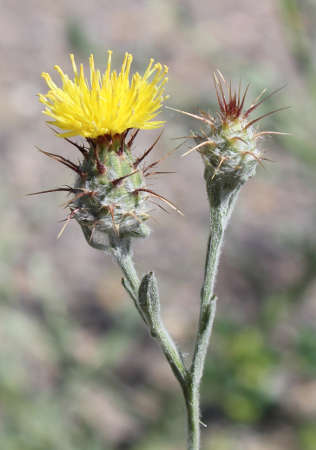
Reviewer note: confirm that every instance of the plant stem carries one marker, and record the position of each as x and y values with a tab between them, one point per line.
193	416
220	212
121	250
146	299
208	303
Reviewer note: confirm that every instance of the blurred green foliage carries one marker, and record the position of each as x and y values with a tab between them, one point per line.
239	371
307	436
306	350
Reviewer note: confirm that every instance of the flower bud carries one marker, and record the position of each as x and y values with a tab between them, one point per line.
228	142
111	195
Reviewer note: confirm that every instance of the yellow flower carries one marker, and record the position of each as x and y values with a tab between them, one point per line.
110	103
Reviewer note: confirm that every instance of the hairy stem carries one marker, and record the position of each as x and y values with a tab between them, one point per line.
221	207
150	304
121	250
146	299
193	416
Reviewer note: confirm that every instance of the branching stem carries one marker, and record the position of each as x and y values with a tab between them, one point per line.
149	307
221	208
146	299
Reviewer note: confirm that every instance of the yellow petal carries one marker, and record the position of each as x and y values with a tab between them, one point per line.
111	103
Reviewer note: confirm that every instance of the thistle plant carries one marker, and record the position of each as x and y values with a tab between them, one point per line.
111	201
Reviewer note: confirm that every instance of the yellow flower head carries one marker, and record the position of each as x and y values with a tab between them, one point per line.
109	104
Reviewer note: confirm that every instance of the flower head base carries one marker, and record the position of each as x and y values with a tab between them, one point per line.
110	197
110	104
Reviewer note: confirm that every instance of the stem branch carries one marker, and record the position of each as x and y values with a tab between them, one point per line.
221	207
146	299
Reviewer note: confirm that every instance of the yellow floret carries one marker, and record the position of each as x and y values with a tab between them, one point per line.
110	103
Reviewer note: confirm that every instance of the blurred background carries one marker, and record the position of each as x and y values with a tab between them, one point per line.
77	367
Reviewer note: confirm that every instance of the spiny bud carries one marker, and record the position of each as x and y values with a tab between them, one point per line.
110	190
228	142
110	196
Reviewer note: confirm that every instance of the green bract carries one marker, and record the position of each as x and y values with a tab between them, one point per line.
110	191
